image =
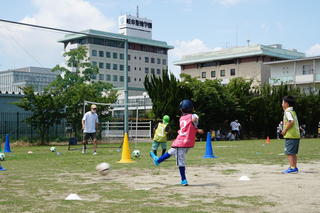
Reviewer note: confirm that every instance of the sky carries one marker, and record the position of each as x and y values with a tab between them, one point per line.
191	26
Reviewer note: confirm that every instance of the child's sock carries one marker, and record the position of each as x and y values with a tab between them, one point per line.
164	157
182	170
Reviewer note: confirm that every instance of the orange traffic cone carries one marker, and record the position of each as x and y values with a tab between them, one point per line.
125	157
268	140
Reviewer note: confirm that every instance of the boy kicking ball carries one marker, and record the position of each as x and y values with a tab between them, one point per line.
291	133
184	141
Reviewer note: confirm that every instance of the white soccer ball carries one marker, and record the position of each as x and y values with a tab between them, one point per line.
136	153
103	168
52	149
2	156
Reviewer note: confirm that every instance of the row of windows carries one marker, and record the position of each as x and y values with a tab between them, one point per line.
152	71
222	73
120	67
116	55
114	78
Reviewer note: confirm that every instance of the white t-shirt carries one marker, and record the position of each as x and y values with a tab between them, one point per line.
288	114
90	120
235	126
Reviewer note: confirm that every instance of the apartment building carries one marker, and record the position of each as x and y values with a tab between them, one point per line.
13	79
303	73
247	62
106	50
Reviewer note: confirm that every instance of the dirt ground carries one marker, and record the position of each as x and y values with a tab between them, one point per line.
287	192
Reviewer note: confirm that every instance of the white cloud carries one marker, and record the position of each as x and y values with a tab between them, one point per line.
29	46
314	50
182	48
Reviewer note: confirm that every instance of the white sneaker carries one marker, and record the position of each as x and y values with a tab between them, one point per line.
94	153
84	151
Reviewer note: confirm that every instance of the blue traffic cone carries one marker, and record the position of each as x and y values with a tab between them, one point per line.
7	144
209	152
2	169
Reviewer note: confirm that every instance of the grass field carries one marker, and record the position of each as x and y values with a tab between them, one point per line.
39	182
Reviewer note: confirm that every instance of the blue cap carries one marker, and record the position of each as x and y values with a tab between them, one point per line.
186	104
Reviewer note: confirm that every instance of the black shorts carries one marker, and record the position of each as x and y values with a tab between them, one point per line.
87	136
291	146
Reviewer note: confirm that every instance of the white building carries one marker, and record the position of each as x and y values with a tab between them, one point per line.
145	55
303	73
38	77
247	62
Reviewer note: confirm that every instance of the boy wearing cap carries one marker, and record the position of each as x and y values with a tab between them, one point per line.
184	141
161	135
90	123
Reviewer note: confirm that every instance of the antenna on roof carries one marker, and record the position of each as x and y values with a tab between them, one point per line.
248	41
137	11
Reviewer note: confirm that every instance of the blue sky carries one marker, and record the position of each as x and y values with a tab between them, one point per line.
190	25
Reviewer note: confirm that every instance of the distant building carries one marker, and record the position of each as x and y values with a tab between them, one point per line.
11	80
247	62
303	73
145	56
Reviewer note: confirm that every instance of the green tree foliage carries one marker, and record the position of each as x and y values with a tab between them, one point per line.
76	84
166	93
46	109
257	108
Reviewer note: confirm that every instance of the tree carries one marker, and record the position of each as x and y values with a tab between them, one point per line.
77	84
46	110
166	94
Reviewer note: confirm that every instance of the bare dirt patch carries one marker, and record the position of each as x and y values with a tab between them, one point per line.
284	192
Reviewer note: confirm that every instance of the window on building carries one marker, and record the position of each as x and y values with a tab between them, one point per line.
158	61
121	67
139	58
108	77
121	78
146	70
115	55
139	68
307	69
222	73
101	54
158	71
152	60
128	68
129	79
94	76
94	63
108	66
94	52
213	74
139	79
232	71
121	56
129	57
101	77
115	78
108	54
152	70
146	59
203	75
115	66
101	65
164	61
135	79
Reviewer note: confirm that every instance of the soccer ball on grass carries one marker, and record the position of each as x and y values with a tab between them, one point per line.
136	153
103	168
2	156
52	149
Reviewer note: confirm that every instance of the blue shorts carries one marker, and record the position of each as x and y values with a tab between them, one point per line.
291	146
